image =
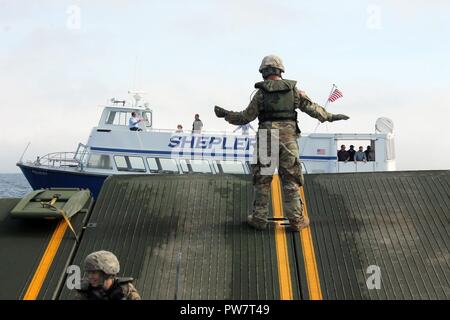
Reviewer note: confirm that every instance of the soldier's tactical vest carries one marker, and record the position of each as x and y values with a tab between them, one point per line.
278	102
116	292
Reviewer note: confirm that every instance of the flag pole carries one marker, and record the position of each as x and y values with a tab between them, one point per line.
328	99
325	105
318	122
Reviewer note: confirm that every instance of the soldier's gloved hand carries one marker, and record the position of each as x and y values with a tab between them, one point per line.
336	117
220	112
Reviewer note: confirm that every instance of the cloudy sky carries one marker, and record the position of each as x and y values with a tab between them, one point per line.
61	60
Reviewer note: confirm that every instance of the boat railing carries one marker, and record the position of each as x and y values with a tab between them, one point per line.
59	160
202	132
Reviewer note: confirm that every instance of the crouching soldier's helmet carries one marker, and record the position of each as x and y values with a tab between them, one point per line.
102	261
271	65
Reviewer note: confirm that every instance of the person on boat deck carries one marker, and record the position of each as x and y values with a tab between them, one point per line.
370	154
360	155
133	122
351	153
343	154
102	282
179	128
197	125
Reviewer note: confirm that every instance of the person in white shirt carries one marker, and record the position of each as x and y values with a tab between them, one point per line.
133	122
197	125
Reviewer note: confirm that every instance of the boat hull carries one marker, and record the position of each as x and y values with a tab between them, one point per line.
41	178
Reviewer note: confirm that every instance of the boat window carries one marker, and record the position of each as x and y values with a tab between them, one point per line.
184	165
111	117
216	166
137	164
121	163
99	161
152	164
235	167
147	116
356	143
129	163
200	166
248	166
168	164
118	118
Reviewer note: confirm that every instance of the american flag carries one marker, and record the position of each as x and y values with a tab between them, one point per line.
335	95
321	151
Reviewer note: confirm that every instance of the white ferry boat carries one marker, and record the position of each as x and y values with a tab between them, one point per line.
112	149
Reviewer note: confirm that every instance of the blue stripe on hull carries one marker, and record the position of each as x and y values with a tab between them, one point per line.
206	154
42	178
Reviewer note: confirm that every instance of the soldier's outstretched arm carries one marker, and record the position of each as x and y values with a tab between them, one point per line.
305	104
243	117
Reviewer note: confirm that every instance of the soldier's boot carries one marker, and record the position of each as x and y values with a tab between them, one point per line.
298	224
256	222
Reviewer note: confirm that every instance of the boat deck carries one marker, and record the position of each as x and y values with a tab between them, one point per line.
185	237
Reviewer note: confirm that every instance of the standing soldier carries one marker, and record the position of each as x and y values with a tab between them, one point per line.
102	282
275	105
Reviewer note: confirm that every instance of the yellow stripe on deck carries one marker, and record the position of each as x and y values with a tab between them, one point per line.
46	261
312	275
284	272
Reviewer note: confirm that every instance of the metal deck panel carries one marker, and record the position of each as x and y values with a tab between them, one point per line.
148	220
398	221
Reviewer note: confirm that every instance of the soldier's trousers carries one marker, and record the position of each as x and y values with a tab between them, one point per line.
289	170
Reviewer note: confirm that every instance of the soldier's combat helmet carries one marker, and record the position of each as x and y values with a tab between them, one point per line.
102	261
271	64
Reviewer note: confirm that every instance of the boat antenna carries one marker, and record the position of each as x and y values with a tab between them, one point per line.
26	148
135	71
137	95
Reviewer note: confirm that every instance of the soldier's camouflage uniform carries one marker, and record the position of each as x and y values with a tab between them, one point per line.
108	265
273	94
122	289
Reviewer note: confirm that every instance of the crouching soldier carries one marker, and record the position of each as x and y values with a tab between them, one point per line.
102	282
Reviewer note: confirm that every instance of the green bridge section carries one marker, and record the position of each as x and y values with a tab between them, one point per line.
185	237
